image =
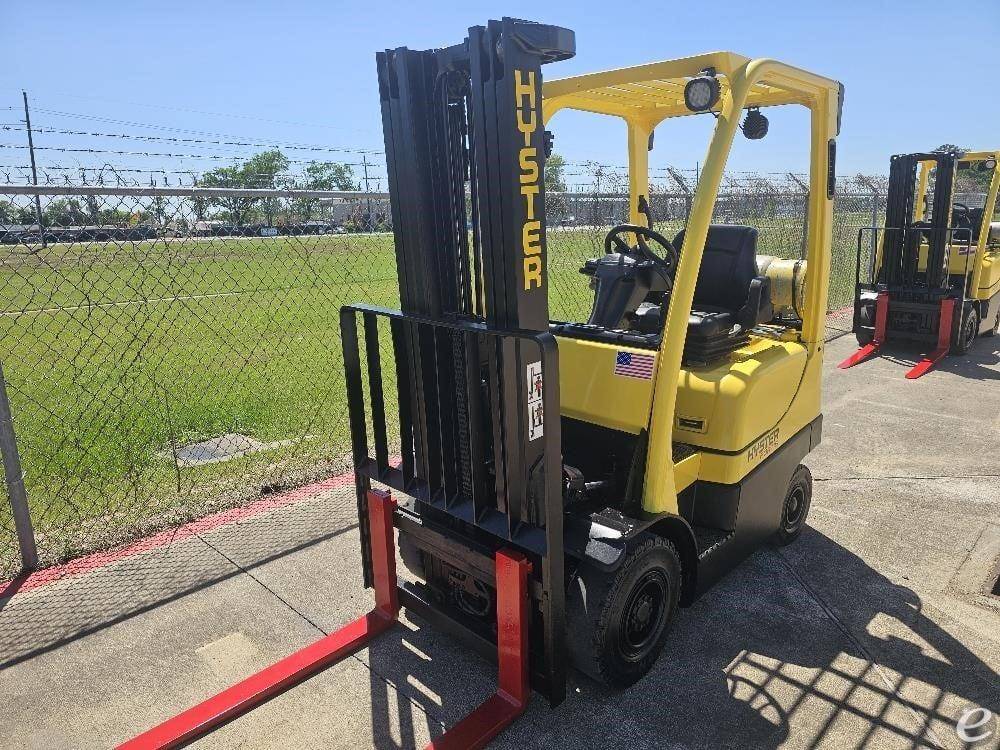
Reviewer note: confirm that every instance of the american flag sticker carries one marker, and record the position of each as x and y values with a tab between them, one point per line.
632	365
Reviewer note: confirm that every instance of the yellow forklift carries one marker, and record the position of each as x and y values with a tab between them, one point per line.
934	277
562	487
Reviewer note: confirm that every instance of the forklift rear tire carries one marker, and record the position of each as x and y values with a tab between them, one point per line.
967	334
796	507
617	622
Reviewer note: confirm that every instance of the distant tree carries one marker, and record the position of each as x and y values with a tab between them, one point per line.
14	214
554	174
260	171
555	185
65	212
328	175
974	179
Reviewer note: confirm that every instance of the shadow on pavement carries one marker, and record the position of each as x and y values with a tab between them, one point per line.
979	363
807	646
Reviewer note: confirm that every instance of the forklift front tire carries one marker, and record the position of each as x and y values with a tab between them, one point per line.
617	621
967	334
796	507
864	337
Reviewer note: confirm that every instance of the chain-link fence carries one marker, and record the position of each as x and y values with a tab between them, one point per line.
169	352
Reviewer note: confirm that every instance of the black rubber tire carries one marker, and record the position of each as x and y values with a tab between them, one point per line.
643	591
968	332
795	509
864	337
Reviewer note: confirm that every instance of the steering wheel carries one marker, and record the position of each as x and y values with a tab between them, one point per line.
666	266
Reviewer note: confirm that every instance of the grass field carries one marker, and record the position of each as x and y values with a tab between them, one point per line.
116	354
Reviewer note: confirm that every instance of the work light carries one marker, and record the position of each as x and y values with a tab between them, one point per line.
701	93
754	124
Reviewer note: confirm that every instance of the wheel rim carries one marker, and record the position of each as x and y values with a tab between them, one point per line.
643	616
971	326
795	505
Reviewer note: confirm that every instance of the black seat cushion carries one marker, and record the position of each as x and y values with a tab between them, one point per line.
728	266
705	323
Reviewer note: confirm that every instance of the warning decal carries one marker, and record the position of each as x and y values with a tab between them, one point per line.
536	415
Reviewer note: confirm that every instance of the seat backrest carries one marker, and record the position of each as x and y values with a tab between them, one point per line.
727	267
976	221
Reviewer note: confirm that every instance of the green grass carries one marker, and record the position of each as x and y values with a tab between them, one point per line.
114	354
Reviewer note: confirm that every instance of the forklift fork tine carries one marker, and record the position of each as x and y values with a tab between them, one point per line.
299	666
474	731
944	341
881	316
511	698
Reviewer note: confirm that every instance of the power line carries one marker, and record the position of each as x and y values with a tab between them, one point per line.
172	139
134	124
213	114
69	150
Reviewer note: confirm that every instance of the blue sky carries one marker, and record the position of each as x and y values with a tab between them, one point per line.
303	71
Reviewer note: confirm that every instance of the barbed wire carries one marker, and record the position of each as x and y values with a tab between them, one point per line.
200	141
135	124
161	155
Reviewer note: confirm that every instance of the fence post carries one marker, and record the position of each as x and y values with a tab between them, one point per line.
34	171
15	482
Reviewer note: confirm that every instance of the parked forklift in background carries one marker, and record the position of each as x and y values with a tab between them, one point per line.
934	277
564	486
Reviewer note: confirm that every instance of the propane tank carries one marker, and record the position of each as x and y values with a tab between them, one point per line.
788	284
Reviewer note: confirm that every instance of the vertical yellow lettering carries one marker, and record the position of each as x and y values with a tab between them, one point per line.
524	88
529	192
530	240
529	165
532	272
526	126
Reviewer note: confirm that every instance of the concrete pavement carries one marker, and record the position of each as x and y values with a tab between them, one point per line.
875	629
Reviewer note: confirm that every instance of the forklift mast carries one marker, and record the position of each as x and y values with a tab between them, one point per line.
906	228
476	367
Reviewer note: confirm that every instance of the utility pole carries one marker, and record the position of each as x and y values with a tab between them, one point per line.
34	169
368	192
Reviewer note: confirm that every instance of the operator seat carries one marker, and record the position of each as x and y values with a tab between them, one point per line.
729	297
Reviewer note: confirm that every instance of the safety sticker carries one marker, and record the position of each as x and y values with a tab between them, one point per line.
536	414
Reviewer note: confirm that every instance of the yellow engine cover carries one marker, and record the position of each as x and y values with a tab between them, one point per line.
728	405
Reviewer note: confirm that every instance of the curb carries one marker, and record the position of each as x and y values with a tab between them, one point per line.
96	560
